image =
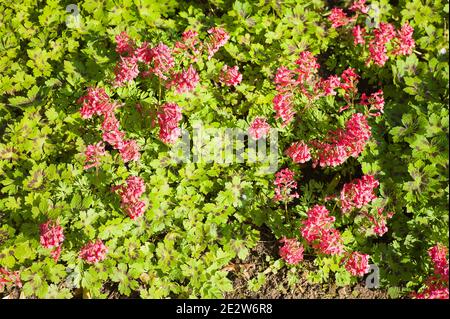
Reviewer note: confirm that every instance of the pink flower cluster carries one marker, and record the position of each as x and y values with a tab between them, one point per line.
126	70
129	196
357	264
218	38
230	76
259	128
358	35
318	231
304	79
288	81
379	221
379	37
282	104
358	193
375	102
438	254
184	81
436	286
299	152
168	119
124	44
285	185
97	102
190	46
93	252
52	237
404	42
377	46
343	143
329	85
93	154
291	251
161	62
359	6
285	79
338	18
9	278
307	66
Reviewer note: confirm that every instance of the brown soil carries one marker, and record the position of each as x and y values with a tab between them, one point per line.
277	286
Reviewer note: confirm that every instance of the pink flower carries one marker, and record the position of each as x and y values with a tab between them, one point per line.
162	60
110	123
230	76
331	83
135	187
375	102
114	138
284	79
218	38
438	254
338	18
377	46
9	278
190	42
56	253
135	209
330	242
436	285
124	44
144	53
282	104
93	153
169	135
378	53
292	250
130	194
190	36
285	185
52	237
299	152
306	66
358	193
380	221
359	5
404	42
51	234
129	151
433	291
168	119
318	222
331	155
259	128
357	133
93	252
126	70
357	264
94	102
342	144
349	80
358	35
184	81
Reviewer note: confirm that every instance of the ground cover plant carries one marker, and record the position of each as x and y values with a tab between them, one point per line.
107	187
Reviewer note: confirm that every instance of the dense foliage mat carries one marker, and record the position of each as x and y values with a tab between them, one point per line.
98	98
